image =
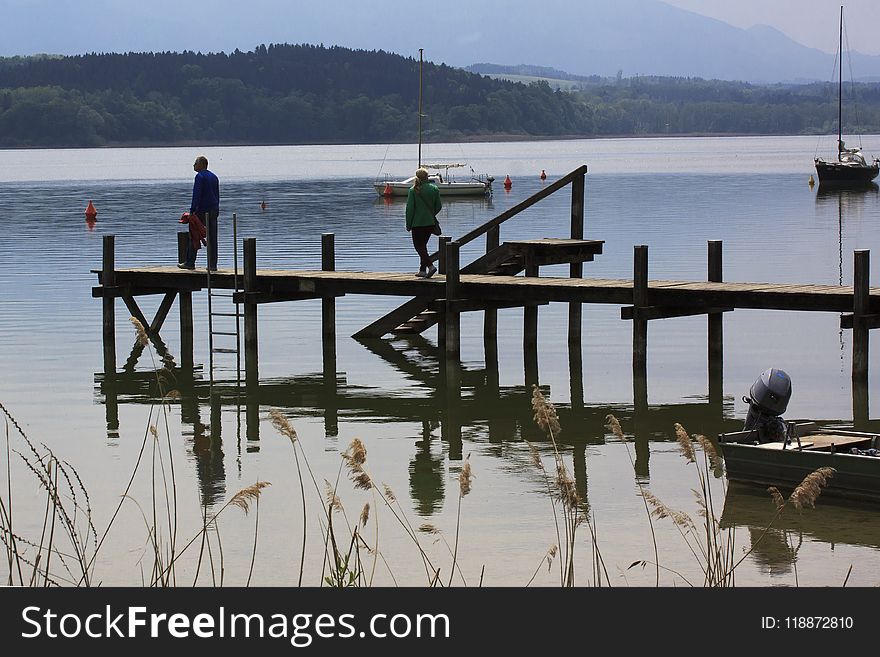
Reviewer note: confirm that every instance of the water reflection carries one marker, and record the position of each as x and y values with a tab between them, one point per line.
482	412
775	540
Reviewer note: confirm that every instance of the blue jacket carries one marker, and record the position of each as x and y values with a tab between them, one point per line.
206	192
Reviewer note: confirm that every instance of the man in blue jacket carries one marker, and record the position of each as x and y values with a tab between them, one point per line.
205	204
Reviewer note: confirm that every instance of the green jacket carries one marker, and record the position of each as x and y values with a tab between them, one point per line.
422	205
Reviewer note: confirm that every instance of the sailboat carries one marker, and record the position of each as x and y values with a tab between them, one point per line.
477	185
851	167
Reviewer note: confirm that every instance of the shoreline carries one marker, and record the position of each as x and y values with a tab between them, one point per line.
485	139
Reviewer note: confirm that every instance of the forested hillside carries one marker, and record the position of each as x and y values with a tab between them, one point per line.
314	94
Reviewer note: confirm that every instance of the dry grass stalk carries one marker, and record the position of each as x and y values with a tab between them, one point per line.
687	447
333	501
660	510
808	490
355	457
709	450
142	338
243	498
545	413
614	425
465	477
282	425
778	500
566	488
535	455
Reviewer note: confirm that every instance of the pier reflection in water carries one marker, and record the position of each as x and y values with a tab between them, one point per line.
484	411
775	541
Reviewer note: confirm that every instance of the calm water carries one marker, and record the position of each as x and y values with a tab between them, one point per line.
670	194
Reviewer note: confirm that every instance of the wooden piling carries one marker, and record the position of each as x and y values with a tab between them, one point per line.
452	322
490	315
186	311
530	333
328	308
861	308
715	329
442	241
108	281
640	327
575	310
251	356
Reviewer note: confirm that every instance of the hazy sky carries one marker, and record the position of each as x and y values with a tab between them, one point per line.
76	26
810	22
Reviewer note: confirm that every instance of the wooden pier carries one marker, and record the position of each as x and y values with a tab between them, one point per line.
493	281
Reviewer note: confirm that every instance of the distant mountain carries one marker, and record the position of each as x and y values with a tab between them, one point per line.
584	37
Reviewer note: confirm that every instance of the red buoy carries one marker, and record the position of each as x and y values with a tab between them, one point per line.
507	183
91	212
263	205
543	175
387	191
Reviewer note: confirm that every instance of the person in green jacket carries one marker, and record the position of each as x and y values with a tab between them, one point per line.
422	205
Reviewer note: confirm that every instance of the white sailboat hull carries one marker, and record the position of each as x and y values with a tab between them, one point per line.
451	188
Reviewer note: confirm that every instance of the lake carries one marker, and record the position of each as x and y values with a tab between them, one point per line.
672	195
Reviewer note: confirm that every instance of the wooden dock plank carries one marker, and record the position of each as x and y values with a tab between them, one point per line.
761	295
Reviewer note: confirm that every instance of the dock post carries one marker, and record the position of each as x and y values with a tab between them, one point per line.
530	333
328	308
640	327
108	281
490	322
861	307
186	312
442	241
251	366
715	329
575	310
452	322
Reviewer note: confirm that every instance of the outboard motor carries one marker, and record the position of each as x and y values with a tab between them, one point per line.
768	398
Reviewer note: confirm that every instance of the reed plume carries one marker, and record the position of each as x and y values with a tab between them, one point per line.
808	490
614	425
243	498
687	447
282	425
142	339
545	413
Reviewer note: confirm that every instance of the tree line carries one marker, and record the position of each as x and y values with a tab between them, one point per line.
296	94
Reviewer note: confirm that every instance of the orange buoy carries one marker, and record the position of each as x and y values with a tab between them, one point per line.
387	191
91	212
543	175
507	183
263	205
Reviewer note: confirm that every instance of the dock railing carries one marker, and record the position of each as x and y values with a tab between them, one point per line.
492	228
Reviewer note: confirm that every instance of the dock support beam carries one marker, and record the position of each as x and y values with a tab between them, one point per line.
328	339
715	330
640	328
186	312
861	308
530	333
452	323
575	310
251	356
490	322
328	308
108	280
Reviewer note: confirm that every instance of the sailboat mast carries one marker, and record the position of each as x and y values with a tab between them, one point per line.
840	87
420	105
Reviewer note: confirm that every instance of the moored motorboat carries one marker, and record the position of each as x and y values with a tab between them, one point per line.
770	451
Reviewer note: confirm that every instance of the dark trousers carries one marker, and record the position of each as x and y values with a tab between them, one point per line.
211	226
420	237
